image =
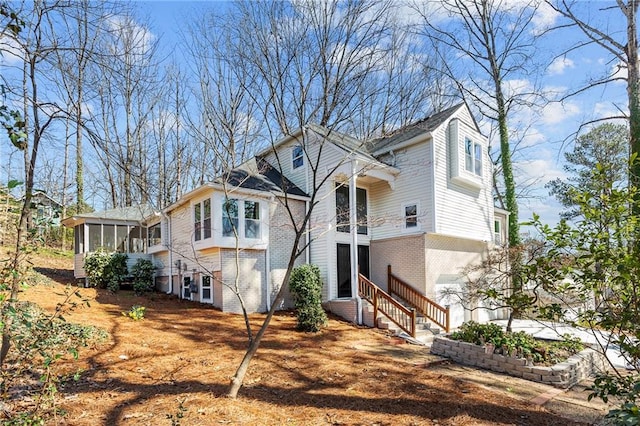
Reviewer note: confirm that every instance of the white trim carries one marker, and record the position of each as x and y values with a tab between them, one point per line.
201	289
301	156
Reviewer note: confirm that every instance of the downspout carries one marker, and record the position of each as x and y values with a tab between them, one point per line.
353	220
268	256
307	240
168	218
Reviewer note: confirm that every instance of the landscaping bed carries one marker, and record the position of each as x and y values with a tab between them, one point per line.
520	355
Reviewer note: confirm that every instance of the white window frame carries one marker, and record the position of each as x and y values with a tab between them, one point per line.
473	159
210	287
199	234
260	240
299	157
403	216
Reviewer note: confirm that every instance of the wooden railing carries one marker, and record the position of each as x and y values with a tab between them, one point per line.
425	306
403	317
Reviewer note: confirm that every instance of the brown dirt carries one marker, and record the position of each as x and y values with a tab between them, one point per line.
183	355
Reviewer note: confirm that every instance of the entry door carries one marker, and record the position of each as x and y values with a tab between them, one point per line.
344	267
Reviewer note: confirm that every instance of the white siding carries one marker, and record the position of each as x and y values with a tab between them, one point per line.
412	185
462	210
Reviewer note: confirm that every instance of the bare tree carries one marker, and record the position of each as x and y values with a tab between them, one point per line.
623	49
497	42
287	65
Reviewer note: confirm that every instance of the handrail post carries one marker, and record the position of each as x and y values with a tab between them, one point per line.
375	307
413	322
446	328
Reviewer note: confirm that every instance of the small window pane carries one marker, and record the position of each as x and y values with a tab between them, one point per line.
137	239
197	222
468	156
252	219
95	237
411	216
478	159
342	208
121	238
155	234
297	157
229	218
206	225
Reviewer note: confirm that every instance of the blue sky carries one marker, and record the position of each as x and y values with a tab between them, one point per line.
550	130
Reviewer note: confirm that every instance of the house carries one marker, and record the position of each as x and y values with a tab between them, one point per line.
44	212
404	213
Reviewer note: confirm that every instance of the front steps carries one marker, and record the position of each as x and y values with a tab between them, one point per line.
425	329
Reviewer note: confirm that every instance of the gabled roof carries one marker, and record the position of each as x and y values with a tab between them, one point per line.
410	131
125	214
266	178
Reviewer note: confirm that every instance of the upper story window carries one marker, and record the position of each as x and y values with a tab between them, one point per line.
251	219
473	157
410	216
202	220
155	234
250	227
342	209
230	218
297	157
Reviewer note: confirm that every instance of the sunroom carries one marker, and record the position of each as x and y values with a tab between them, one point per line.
117	230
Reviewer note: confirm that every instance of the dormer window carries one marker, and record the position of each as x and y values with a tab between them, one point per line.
473	157
297	157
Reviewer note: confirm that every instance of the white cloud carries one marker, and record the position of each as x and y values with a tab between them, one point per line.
557	112
559	65
620	71
544	18
11	51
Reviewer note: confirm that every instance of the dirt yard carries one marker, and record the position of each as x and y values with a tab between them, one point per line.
179	359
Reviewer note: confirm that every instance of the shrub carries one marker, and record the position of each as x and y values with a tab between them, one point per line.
136	312
306	286
142	274
106	270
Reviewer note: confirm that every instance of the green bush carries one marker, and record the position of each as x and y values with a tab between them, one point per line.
142	274
306	286
106	270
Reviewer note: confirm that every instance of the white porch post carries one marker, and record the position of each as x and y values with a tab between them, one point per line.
353	227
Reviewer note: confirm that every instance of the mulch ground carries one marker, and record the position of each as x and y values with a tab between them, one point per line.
174	367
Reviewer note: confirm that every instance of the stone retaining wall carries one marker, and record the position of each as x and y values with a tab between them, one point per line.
562	375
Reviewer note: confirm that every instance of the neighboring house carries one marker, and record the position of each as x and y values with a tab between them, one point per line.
45	212
420	199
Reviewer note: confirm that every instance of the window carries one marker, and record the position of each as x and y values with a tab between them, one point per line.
229	217
342	209
95	237
137	239
206	288
206	216
497	232
155	234
297	157
121	238
202	220
411	216
473	157
251	219
79	239
197	221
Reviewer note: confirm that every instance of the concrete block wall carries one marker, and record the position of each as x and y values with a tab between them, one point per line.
563	375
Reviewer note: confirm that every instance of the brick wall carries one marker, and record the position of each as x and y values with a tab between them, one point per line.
281	236
406	255
563	375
